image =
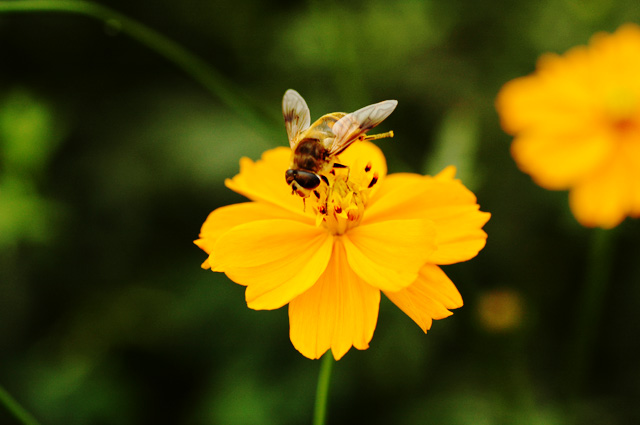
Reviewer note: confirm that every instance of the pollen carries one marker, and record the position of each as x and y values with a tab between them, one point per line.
340	205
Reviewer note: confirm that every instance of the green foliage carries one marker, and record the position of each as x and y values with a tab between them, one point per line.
111	157
26	131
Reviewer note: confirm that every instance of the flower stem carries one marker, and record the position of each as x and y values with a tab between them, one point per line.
322	391
16	409
590	309
199	70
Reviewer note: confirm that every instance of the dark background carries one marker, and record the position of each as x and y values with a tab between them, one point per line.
111	157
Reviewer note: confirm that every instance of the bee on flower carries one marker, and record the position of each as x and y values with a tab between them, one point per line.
576	122
330	254
314	148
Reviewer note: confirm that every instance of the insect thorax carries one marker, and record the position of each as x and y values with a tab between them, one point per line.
311	155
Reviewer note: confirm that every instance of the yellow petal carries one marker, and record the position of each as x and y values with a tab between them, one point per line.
571	116
604	199
445	201
410	195
388	255
362	156
396	192
557	97
448	173
224	218
632	154
429	297
264	180
338	312
556	161
276	259
459	235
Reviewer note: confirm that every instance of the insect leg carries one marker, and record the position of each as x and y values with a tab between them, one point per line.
338	165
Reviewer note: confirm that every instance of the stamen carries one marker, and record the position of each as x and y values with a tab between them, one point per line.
339	204
374	180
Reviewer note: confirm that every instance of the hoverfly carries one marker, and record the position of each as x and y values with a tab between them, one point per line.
315	147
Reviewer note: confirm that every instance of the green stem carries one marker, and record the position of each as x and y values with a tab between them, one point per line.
599	266
322	392
14	407
191	64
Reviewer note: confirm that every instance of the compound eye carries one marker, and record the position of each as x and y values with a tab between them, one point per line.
290	176
306	179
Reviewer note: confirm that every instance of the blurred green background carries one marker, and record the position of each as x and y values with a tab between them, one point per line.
111	157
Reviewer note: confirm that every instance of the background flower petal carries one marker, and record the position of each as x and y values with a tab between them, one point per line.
276	259
605	198
389	254
554	97
574	120
556	161
338	312
429	297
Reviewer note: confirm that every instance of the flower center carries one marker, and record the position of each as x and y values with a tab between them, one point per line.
625	126
622	107
621	103
340	205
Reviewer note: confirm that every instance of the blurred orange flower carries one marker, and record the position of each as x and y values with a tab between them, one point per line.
500	310
576	122
330	257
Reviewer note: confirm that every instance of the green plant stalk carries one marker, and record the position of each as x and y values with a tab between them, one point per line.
322	392
16	409
600	262
191	64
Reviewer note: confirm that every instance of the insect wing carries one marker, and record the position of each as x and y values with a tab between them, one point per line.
348	128
296	115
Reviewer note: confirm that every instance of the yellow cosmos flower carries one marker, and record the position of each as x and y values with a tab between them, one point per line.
577	126
330	255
